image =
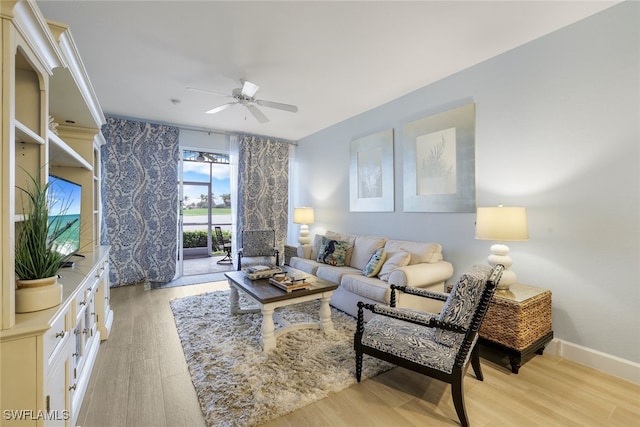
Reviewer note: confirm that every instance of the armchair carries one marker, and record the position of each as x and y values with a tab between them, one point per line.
437	345
224	246
258	244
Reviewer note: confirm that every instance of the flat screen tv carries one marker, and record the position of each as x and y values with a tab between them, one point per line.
64	214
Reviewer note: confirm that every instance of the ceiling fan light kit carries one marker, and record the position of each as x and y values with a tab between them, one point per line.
245	96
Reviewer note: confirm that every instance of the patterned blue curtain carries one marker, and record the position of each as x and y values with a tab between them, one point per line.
263	187
140	199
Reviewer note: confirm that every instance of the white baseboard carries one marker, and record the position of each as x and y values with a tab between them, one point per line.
595	359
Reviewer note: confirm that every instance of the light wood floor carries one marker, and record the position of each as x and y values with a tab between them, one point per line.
141	379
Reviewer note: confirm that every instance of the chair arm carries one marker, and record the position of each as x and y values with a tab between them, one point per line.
422	274
425	319
421	292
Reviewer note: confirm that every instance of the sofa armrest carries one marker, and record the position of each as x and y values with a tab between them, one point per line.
304	251
421	275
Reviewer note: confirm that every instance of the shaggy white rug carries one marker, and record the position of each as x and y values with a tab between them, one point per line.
238	384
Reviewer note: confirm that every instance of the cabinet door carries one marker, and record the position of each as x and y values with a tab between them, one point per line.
104	315
56	395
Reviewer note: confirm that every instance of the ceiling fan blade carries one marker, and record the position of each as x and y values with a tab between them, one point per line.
278	105
220	108
209	92
257	113
249	89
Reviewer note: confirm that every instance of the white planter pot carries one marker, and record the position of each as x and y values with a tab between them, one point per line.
38	294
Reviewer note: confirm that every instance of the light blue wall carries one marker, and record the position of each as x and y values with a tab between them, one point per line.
557	131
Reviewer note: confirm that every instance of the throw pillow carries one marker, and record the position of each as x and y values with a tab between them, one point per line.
343	237
332	252
375	263
397	260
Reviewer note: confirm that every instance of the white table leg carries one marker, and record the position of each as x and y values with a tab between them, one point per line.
326	324
268	339
234	307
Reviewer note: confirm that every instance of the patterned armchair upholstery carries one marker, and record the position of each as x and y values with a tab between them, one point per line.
438	345
260	246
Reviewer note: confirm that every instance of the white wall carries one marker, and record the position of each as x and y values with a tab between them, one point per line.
557	131
207	141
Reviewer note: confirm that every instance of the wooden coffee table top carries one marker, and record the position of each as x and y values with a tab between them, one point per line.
264	292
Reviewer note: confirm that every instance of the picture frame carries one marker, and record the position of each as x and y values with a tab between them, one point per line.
439	162
371	184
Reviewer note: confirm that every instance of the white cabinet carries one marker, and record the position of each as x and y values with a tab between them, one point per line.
48	356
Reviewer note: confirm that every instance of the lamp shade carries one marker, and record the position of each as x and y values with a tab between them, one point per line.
303	215
502	224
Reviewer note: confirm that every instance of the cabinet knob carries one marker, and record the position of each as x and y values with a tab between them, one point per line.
61	334
73	387
76	354
83	302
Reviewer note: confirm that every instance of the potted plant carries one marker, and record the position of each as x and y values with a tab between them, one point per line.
37	261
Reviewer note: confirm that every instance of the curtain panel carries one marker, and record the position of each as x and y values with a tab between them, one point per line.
263	186
140	200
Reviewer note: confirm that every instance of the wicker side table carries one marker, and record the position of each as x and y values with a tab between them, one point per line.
518	322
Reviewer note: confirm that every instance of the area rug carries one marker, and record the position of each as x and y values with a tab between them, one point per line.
238	384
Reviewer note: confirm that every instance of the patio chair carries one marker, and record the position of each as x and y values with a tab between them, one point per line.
223	245
260	245
437	345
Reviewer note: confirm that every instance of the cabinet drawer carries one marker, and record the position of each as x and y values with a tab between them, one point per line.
55	337
91	286
79	305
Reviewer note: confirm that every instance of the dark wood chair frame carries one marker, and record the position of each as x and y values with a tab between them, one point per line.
456	377
223	245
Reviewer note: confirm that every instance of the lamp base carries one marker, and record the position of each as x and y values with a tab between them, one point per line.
500	255
304	238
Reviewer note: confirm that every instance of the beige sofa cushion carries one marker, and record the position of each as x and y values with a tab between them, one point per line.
420	252
368	287
315	247
334	274
364	247
395	260
303	264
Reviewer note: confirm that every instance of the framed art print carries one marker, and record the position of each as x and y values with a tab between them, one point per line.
439	162
371	173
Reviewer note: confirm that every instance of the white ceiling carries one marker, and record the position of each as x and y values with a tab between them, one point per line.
333	59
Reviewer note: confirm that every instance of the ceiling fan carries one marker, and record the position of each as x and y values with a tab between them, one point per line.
246	96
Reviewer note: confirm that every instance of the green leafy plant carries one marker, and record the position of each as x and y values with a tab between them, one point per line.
35	250
198	239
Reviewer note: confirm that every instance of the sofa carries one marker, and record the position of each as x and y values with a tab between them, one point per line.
366	266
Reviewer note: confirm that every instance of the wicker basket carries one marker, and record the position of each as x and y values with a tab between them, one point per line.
517	324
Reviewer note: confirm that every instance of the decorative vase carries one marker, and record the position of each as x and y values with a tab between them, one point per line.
38	294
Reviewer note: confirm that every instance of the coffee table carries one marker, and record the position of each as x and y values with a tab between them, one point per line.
269	297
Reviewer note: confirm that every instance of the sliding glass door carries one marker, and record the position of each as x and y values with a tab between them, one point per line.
205	204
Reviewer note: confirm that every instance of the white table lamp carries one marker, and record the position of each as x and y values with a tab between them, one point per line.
502	224
303	216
